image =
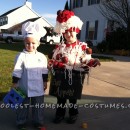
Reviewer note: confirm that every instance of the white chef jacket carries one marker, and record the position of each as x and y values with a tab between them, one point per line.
29	67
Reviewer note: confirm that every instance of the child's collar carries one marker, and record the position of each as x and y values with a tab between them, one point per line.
72	44
27	52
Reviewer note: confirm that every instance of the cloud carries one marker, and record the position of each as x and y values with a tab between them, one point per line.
50	17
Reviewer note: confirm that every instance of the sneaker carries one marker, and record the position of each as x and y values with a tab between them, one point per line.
72	119
21	126
58	119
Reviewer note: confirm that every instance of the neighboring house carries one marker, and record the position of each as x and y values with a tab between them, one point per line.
12	20
95	24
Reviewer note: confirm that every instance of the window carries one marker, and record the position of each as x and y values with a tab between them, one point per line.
74	4
19	32
98	1
91	30
77	3
96	30
92	2
3	21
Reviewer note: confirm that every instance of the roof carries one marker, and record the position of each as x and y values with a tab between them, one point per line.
32	19
10	11
19	25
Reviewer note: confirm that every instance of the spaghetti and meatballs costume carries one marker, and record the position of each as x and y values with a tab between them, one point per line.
69	62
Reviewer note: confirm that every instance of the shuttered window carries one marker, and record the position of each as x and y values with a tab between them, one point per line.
92	2
96	30
77	3
87	27
91	30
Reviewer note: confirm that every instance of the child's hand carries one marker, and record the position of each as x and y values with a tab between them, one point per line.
45	85
14	85
89	51
96	62
49	66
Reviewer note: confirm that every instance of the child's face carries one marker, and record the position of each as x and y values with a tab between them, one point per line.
31	44
70	36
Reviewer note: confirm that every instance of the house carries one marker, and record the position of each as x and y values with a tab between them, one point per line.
13	19
95	24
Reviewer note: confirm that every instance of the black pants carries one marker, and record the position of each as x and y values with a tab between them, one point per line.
61	107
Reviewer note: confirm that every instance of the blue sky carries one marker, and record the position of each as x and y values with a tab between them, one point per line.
45	8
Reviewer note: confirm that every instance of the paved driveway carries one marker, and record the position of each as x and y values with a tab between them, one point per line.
109	84
111	79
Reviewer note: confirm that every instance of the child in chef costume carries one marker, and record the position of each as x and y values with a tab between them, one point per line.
69	62
30	74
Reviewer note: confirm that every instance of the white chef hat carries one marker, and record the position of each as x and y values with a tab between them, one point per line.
33	29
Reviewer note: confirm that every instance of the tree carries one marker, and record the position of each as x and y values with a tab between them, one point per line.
117	11
50	31
66	6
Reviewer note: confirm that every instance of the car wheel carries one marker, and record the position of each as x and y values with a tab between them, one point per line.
51	42
9	40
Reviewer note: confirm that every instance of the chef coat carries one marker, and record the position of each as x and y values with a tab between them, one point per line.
29	67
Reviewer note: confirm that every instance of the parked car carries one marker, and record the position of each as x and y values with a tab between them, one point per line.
1	37
50	39
10	38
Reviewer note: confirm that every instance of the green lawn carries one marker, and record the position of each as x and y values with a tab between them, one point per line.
7	56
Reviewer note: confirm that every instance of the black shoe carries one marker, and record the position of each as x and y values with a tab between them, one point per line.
38	125
58	119
72	119
21	126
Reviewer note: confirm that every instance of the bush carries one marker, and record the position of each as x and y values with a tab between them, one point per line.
103	46
118	40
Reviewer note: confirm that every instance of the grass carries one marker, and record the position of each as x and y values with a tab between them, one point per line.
104	58
7	56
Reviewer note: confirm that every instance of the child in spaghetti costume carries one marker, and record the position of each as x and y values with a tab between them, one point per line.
69	63
30	74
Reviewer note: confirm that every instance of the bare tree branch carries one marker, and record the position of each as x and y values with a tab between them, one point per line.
117	11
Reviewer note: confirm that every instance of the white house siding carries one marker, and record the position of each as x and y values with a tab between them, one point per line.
22	14
91	13
18	16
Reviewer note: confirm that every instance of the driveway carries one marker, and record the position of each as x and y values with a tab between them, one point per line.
109	85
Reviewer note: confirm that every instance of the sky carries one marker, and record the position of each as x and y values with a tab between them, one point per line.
45	8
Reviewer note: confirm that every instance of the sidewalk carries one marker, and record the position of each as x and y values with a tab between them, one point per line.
104	105
116	57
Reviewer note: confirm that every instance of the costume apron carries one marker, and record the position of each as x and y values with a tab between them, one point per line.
63	86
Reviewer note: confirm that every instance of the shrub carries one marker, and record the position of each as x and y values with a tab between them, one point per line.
118	40
103	46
